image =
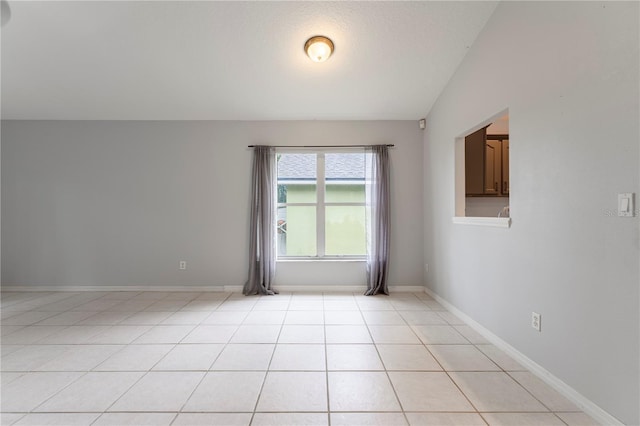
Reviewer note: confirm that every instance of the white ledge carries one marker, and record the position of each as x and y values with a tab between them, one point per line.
320	259
495	222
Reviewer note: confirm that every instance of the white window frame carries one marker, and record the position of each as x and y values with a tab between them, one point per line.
320	203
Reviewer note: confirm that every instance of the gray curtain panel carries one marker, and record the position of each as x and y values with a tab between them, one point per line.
378	218
262	245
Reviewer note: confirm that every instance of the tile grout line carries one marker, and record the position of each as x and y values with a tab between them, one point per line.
386	372
451	379
326	361
266	373
186	401
528	391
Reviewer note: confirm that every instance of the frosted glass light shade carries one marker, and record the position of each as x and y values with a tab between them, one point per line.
318	48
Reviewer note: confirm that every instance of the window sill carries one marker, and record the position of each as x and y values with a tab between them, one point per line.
323	259
494	222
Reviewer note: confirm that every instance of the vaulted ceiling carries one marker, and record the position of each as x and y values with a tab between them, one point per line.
183	60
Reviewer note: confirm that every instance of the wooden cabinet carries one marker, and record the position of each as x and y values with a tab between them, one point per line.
492	167
474	162
505	166
486	164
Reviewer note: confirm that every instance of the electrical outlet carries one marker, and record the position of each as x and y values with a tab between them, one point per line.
536	319
426	268
183	265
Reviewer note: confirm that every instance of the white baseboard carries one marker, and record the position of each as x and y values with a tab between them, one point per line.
209	288
347	288
406	288
564	389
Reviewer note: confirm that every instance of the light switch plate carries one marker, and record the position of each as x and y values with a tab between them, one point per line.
626	204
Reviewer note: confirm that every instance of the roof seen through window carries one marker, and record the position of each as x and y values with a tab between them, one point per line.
338	166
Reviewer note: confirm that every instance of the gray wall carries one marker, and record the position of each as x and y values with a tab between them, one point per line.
568	73
485	206
120	203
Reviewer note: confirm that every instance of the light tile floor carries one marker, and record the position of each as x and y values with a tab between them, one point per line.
189	358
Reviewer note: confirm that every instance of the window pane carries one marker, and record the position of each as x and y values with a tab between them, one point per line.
296	193
345	230
344	174
297	178
344	193
297	231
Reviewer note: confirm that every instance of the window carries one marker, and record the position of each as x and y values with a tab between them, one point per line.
321	204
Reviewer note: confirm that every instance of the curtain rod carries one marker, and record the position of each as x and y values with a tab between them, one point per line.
319	146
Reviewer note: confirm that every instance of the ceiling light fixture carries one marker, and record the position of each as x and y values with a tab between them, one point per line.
319	48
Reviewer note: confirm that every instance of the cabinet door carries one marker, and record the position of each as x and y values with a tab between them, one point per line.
505	166
474	162
492	167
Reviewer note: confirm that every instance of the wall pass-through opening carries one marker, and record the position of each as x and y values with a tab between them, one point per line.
483	185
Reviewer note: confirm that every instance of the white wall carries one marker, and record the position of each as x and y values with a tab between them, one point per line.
485	206
568	73
120	203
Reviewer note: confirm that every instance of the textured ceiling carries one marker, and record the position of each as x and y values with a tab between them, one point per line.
182	60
